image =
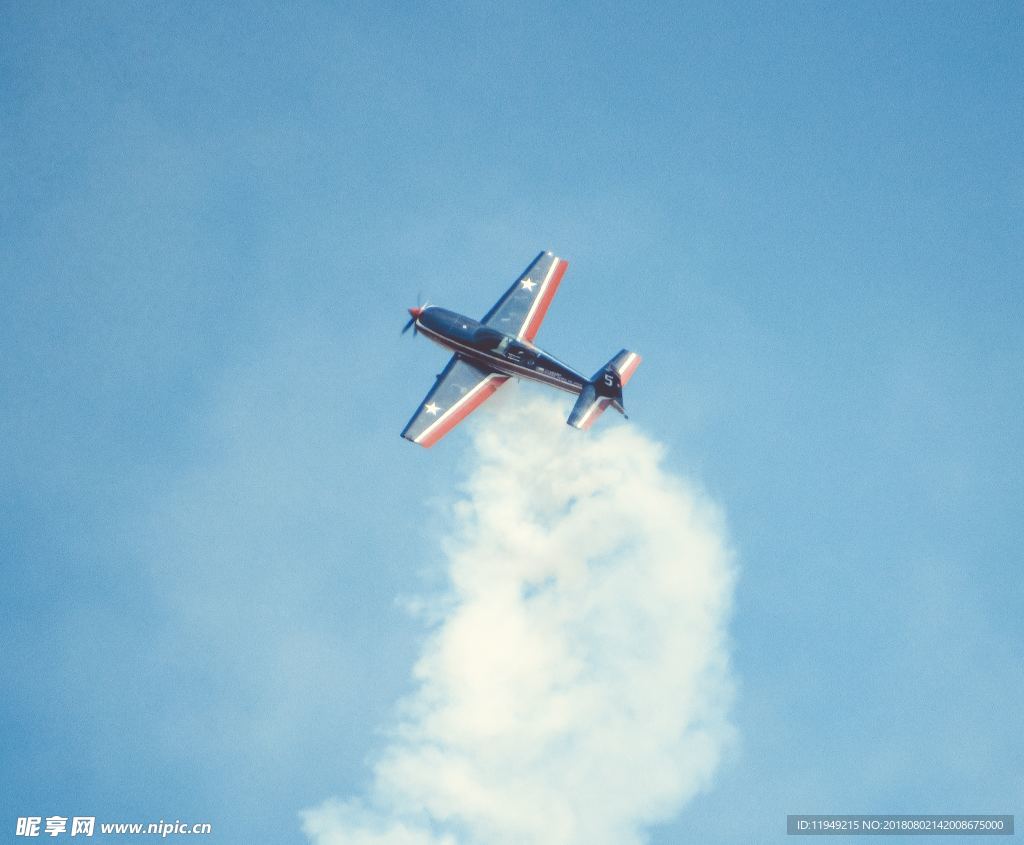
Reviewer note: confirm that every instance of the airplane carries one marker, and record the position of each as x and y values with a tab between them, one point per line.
488	352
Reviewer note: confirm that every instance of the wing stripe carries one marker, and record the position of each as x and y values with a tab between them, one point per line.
540	305
460	410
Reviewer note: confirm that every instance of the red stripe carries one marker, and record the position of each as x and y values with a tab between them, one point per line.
601	405
627	374
463	411
542	307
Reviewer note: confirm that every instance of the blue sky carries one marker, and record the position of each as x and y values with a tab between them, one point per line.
807	219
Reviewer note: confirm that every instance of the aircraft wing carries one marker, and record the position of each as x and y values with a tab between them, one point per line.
460	389
520	311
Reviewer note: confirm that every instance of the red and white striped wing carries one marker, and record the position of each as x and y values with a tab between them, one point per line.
458	391
521	310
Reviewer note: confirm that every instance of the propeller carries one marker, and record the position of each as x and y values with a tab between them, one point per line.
415	315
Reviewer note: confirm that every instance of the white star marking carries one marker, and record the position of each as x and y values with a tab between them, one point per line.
432	409
529	284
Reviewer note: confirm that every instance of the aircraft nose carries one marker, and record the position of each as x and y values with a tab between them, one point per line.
416	312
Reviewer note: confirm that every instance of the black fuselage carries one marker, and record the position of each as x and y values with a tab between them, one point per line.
495	350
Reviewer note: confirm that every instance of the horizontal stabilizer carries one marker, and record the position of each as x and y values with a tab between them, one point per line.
604	389
625	364
587	408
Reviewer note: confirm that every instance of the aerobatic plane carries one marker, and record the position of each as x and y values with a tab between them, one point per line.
490	351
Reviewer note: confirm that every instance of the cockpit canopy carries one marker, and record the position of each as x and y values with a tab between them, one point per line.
474	334
488	339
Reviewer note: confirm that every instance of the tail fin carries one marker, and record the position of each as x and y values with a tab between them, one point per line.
604	389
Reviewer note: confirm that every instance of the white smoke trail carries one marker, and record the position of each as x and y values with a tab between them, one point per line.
577	687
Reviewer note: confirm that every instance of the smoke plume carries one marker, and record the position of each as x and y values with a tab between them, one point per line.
576	686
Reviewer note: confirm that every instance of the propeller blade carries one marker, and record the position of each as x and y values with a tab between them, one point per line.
414	313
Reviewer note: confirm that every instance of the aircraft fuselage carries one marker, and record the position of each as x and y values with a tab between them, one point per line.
492	349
